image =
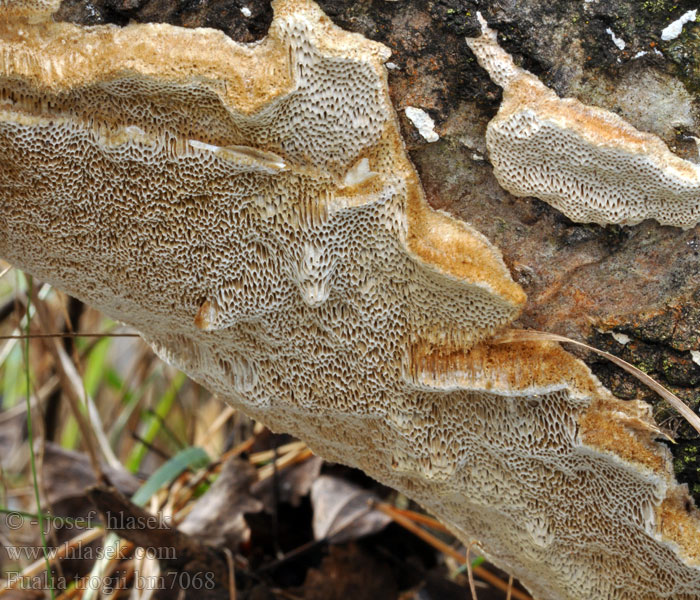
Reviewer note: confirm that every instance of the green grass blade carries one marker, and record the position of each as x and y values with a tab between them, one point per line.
153	422
96	366
194	457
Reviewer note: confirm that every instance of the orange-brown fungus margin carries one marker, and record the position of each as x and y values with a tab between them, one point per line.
251	210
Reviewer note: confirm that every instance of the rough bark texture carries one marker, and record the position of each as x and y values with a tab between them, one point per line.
581	280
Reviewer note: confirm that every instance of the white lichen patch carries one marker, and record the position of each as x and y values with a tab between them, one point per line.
620	338
618	41
656	102
674	29
695	355
585	161
423	122
251	210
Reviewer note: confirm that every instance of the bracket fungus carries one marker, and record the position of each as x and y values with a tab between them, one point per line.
587	162
251	210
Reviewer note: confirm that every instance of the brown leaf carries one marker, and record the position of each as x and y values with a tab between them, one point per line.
217	517
68	473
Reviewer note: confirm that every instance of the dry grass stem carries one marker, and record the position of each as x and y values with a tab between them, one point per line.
438	544
231	574
423	520
287	460
470	574
77	397
527	335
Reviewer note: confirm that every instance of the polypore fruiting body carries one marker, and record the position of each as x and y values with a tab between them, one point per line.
251	210
587	162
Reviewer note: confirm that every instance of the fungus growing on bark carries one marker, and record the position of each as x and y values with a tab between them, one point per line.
252	211
587	162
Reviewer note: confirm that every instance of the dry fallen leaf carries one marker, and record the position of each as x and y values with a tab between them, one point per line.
217	518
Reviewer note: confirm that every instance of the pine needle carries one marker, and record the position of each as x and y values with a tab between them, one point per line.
470	574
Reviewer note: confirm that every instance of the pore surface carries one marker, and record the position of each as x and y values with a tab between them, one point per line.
251	210
587	162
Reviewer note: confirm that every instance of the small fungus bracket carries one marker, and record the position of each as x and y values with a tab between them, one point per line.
587	162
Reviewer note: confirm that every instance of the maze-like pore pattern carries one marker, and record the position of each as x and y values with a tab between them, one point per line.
251	210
